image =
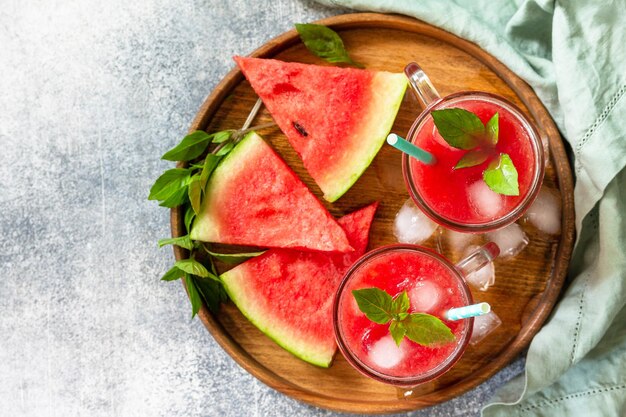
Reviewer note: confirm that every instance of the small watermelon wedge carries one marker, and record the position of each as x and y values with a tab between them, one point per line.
337	119
288	294
253	198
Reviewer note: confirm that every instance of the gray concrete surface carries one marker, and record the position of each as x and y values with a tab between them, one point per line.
91	94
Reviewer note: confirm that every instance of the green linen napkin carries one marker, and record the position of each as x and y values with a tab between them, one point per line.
573	53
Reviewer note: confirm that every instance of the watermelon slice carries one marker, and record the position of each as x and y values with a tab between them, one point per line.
254	198
288	294
337	119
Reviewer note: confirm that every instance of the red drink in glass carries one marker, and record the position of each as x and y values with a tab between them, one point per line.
434	286
459	199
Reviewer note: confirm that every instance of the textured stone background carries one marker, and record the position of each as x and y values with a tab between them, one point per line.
91	94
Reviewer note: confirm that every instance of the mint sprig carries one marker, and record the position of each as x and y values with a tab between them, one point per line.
381	308
463	129
187	187
324	43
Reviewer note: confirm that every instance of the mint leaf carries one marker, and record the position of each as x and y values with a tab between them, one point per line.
173	274
182	241
191	266
195	193
426	330
460	128
324	43
375	303
472	158
233	258
194	295
501	176
170	182
493	129
192	146
397	330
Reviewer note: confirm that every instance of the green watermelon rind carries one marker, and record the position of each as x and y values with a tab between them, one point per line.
391	87
301	349
204	228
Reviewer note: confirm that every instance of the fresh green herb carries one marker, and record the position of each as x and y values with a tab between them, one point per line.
462	129
324	43
501	176
421	328
233	258
187	187
182	241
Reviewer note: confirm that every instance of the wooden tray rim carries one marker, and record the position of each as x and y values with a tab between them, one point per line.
562	257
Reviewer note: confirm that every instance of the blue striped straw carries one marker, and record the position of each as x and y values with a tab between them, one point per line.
410	149
467	311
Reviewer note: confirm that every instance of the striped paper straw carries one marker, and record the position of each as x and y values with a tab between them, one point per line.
467	311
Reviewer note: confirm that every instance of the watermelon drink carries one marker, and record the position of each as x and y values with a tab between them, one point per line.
433	285
459	198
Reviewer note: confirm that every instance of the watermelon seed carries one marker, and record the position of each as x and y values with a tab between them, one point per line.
300	129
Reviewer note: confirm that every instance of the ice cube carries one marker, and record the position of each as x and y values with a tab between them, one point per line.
511	239
412	225
459	241
424	296
486	202
385	353
545	212
483	278
483	326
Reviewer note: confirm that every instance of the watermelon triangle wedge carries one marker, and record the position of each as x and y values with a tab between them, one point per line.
253	198
337	119
288	294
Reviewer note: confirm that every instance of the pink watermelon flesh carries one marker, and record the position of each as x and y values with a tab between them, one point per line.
288	294
253	198
335	118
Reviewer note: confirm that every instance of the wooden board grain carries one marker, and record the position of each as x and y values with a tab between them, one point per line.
526	288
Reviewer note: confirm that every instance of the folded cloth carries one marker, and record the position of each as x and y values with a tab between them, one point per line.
573	54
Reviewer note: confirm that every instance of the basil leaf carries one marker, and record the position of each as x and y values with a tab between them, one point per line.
191	266
192	146
222	136
189	216
233	258
472	158
401	305
375	303
501	176
427	330
493	129
460	128
195	193
225	149
324	43
194	295
397	331
182	241
173	274
169	183
176	199
212	292
210	163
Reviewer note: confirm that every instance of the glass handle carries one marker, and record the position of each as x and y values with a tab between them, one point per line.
420	84
479	258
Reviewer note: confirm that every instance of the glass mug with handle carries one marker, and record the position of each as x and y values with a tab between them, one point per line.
433	286
455	194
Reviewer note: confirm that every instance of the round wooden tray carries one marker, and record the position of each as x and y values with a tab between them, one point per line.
526	288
